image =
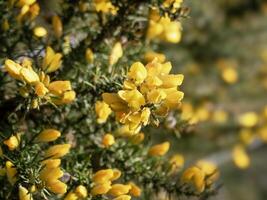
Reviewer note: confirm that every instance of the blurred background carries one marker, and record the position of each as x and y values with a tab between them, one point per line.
223	55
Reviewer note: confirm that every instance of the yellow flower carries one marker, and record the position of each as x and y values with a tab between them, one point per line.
119	189
57	26
103	176
89	55
262	132
240	157
210	170
57	151
51	61
114	101
134	98
174	3
39	31
81	191
248	119
151	55
68	97
57	187
176	162
13	69
116	53
163	28
71	196
48	135
12	142
40	89
135	190
137	73
123	197
116	174
246	136
159	149
29	75
24	194
108	140
105	6
11	172
50	174
194	176
103	111
230	75
59	87
51	163
102	188
220	116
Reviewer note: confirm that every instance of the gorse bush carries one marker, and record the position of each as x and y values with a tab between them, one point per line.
83	91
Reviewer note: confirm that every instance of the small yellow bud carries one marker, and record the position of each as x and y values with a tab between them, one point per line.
68	97
159	149
39	31
12	142
57	26
119	189
102	176
89	55
116	53
101	188
81	191
135	190
11	172
57	151
24	194
108	140
48	135
151	55
103	111
51	61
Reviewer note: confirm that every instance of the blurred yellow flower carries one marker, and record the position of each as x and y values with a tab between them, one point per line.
119	189
81	191
24	194
102	188
210	170
116	53
105	6
48	135
176	162
11	172
39	31
89	55
194	176
248	119
135	190
57	26
12	142
57	151
240	157
159	149
51	61
230	75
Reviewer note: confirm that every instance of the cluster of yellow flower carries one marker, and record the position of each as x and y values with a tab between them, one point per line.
56	92
148	90
102	185
202	175
163	28
50	173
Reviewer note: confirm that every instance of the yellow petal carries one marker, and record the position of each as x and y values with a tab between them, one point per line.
57	151
137	72
159	149
29	75
48	135
24	194
119	189
40	31
13	69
